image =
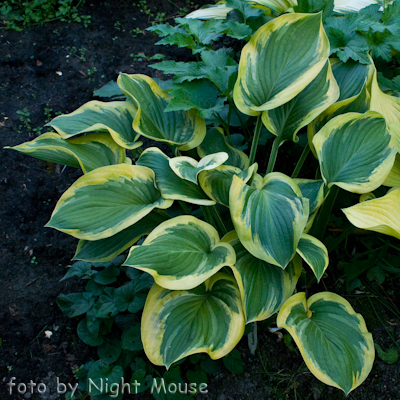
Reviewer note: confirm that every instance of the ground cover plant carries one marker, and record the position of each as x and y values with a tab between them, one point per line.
16	14
236	242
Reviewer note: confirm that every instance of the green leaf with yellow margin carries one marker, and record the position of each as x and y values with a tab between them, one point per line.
171	185
379	215
215	142
314	253
217	182
279	6
355	151
269	219
108	248
208	319
181	253
273	68
87	152
388	106
393	179
286	120
263	287
188	168
180	128
351	77
313	190
106	201
333	340
115	117
358	103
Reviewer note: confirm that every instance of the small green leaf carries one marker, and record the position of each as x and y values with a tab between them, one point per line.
200	95
131	297
131	339
81	269
233	362
75	304
107	275
109	351
389	356
91	339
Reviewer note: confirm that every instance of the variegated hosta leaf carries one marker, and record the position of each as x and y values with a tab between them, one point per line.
181	128
208	319
314	253
393	179
279	6
332	338
87	152
351	77
181	253
115	117
273	68
269	220
263	287
348	6
379	215
107	200
388	106
107	249
286	120
217	182
188	168
218	11
359	104
355	151
171	185
215	142
313	190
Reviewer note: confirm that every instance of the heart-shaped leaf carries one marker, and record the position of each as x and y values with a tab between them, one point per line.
181	253
208	319
332	338
355	151
270	218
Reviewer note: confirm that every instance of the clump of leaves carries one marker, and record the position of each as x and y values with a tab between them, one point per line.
224	235
17	14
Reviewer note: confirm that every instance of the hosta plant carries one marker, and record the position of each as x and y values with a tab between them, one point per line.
225	239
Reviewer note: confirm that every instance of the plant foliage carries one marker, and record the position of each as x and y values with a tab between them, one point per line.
219	236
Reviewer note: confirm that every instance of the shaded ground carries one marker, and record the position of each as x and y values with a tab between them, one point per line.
57	67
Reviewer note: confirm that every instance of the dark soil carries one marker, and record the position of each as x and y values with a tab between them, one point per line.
38	71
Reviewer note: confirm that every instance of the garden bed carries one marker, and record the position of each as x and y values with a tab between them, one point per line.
55	68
